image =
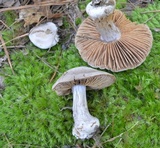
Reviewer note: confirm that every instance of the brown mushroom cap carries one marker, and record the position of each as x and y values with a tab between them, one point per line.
126	53
92	78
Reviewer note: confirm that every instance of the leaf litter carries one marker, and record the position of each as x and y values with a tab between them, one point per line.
42	10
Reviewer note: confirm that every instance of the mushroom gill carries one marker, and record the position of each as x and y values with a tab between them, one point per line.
128	52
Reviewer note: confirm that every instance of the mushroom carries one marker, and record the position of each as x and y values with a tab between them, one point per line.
108	40
44	36
77	80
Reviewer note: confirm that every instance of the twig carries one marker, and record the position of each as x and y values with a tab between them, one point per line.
4	24
54	74
153	11
16	38
118	142
150	18
112	139
45	3
28	145
105	130
7	53
64	108
131	3
43	61
97	138
20	46
120	135
9	143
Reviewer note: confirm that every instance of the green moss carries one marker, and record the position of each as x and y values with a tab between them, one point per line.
78	21
82	4
15	28
121	4
66	24
10	17
152	19
30	112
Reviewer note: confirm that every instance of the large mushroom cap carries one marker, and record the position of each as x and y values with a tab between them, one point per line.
128	52
92	78
44	36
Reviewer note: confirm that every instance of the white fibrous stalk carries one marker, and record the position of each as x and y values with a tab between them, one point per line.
102	17
85	125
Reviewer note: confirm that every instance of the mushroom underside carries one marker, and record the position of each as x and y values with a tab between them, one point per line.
126	53
92	78
64	88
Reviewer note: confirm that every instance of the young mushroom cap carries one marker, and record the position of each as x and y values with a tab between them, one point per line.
76	81
102	11
129	47
44	36
92	78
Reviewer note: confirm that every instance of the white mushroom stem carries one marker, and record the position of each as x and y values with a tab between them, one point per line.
102	17
85	125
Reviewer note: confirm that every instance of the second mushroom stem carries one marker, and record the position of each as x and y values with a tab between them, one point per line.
85	125
107	29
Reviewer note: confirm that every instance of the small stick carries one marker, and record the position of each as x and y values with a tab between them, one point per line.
7	53
27	145
112	139
131	3
54	74
4	24
150	18
118	142
105	129
153	11
64	108
20	46
9	143
120	135
36	5
43	61
16	38
97	138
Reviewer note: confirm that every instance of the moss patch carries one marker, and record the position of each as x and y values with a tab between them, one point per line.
31	113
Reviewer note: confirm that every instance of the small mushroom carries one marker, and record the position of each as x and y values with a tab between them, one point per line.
77	80
108	40
44	36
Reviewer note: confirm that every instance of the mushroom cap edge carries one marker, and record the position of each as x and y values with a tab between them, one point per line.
91	78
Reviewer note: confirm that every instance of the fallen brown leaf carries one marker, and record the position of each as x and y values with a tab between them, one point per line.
30	16
46	3
33	15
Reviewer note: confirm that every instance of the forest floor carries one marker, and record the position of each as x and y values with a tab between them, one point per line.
30	117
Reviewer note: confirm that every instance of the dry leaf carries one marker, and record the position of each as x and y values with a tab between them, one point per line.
30	16
33	15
